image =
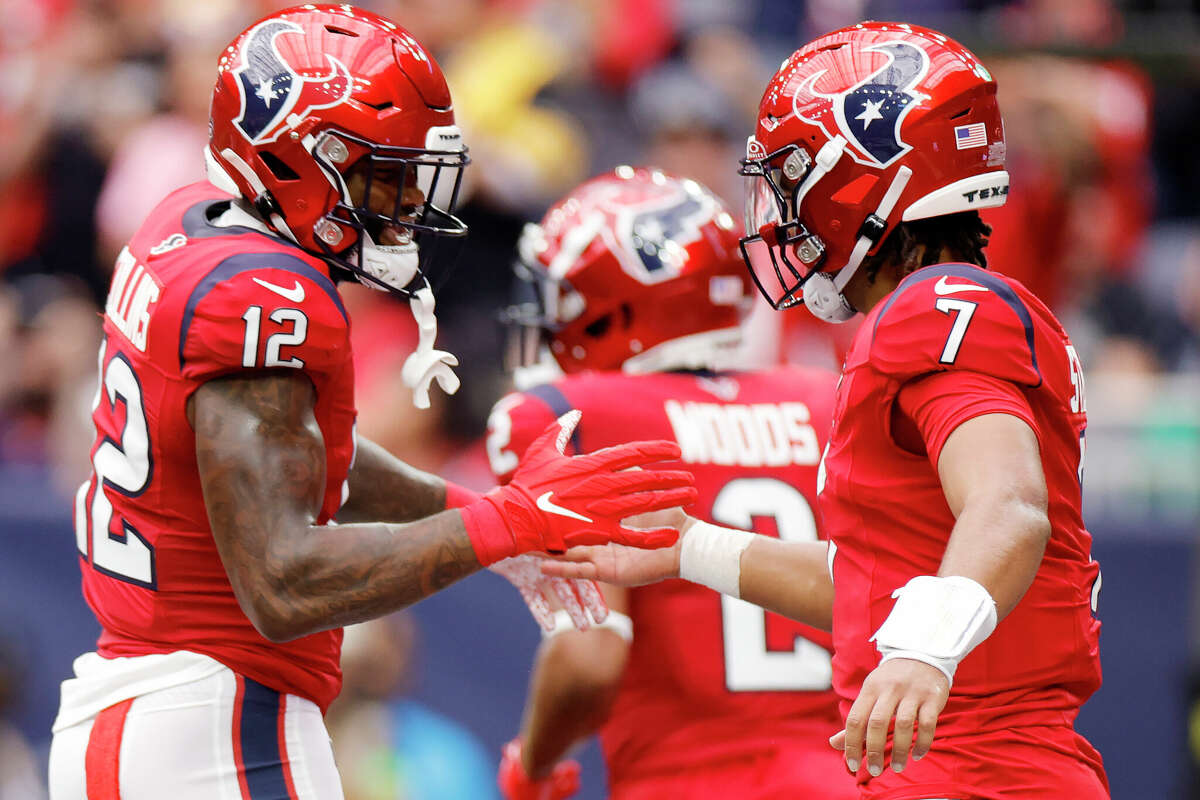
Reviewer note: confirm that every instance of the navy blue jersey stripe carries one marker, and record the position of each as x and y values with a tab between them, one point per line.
978	275
248	261
553	397
262	756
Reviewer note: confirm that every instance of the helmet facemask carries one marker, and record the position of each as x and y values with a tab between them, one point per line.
540	305
786	260
781	252
400	204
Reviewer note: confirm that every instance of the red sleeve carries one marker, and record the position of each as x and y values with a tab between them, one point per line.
940	402
263	316
516	420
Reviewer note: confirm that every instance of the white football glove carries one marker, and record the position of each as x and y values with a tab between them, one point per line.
579	598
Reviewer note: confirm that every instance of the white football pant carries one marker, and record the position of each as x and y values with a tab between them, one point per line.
222	737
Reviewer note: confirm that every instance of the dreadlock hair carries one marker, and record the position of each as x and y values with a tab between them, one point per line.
920	243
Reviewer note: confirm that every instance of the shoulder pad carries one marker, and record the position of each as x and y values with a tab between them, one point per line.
954	316
263	311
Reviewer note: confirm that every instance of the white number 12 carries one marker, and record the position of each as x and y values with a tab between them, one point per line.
275	341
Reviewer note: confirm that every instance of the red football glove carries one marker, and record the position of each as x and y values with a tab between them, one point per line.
516	785
555	502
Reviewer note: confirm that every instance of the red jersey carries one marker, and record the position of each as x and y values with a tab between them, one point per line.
710	678
887	516
189	302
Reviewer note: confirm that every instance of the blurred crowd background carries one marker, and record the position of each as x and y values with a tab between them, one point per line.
103	111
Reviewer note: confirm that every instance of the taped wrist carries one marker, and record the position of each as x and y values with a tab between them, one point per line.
712	556
937	621
487	527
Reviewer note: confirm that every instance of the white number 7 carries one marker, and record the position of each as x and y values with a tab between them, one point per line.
965	309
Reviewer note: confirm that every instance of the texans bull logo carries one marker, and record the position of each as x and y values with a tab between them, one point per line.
658	232
275	96
869	113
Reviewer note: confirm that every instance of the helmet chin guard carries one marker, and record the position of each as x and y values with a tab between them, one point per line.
385	267
825	300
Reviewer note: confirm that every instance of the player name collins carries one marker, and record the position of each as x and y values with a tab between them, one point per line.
134	290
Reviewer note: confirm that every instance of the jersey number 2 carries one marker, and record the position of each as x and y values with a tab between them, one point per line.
749	666
123	466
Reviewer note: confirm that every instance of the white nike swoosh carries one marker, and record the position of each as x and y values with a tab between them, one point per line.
950	288
295	294
544	504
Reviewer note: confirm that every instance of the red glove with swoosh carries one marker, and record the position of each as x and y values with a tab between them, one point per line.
560	784
555	501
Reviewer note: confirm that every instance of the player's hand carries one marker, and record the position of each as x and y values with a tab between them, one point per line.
562	782
911	691
555	501
620	565
581	599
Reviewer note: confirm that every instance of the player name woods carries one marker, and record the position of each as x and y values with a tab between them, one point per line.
758	435
134	290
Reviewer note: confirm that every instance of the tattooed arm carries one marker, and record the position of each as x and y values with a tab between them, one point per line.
261	458
385	489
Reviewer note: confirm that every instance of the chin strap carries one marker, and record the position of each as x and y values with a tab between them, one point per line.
426	364
823	292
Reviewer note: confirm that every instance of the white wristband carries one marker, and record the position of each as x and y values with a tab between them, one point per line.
937	621
618	623
712	556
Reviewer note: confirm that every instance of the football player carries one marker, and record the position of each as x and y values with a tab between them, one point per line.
225	444
636	290
950	486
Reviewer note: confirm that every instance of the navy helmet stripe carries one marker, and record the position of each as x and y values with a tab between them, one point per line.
978	275
558	403
262	753
242	262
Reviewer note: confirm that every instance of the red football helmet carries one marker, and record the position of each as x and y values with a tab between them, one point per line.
634	270
887	122
338	127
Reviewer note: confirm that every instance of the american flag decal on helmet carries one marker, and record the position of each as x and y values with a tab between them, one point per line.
967	136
